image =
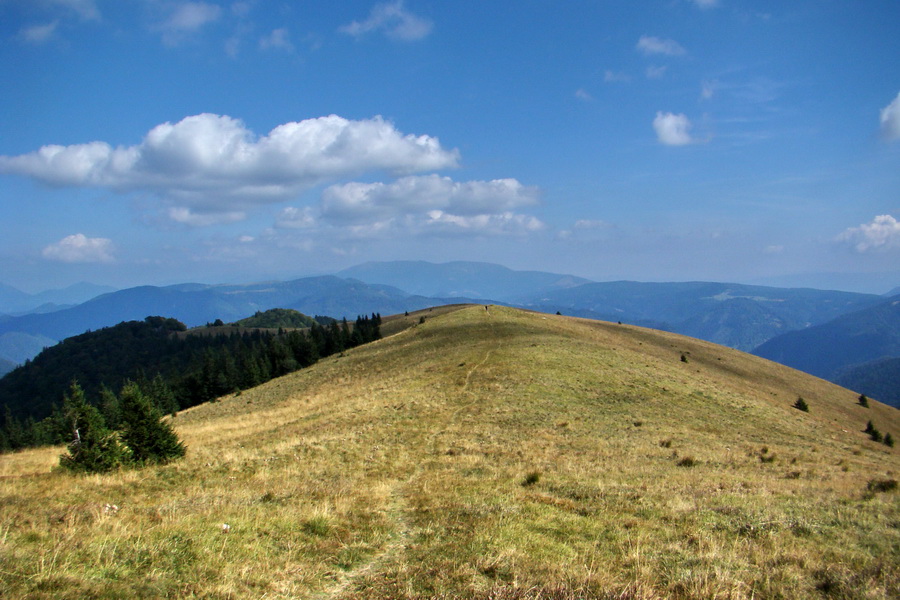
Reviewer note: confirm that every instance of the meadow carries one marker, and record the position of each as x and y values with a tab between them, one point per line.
484	452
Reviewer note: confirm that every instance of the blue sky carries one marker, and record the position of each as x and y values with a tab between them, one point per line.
162	141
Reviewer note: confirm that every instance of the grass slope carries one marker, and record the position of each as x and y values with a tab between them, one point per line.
486	454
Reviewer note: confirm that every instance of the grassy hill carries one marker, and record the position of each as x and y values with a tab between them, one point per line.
485	453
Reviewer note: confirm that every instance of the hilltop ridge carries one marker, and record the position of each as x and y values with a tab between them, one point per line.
490	452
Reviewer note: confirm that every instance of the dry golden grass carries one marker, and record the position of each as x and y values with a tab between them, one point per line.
485	453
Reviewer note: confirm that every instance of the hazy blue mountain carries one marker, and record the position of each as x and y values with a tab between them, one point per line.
11	299
17	347
740	316
461	279
14	301
878	379
851	339
196	304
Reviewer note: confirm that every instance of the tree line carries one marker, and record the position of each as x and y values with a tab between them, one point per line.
172	368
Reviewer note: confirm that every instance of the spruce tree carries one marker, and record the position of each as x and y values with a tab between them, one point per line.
92	447
151	440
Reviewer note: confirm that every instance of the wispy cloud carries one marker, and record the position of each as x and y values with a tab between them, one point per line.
86	9
277	39
393	20
883	233
656	72
890	119
583	95
79	248
39	34
706	3
650	45
213	165
615	77
186	19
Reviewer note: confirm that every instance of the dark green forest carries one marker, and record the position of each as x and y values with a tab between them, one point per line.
173	367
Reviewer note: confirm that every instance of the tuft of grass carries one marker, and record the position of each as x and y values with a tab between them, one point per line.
687	461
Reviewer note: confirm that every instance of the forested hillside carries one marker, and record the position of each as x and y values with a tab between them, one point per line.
176	369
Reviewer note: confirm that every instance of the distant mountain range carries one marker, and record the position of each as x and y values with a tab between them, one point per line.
14	301
783	324
829	350
462	280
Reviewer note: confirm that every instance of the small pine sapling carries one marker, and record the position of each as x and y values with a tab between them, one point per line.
801	404
863	401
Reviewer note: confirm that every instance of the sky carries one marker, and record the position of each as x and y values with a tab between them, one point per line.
164	141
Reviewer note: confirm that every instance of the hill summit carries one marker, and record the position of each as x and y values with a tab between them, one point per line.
486	452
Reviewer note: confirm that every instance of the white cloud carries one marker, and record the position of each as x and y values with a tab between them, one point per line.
277	39
890	119
706	3
80	249
394	20
506	223
296	218
186	19
186	216
708	89
654	45
882	233
208	164
672	130
38	34
368	202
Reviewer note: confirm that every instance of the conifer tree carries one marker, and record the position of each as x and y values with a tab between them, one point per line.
92	447
151	440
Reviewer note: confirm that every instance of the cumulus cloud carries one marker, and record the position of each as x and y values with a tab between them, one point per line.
653	45
38	34
277	39
186	19
672	129
367	202
208	164
890	119
882	233
79	248
394	20
505	223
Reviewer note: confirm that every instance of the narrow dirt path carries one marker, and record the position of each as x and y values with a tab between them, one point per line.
398	508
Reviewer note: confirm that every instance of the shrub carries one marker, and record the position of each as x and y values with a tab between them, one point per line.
881	485
686	461
863	401
889	440
531	479
801	404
